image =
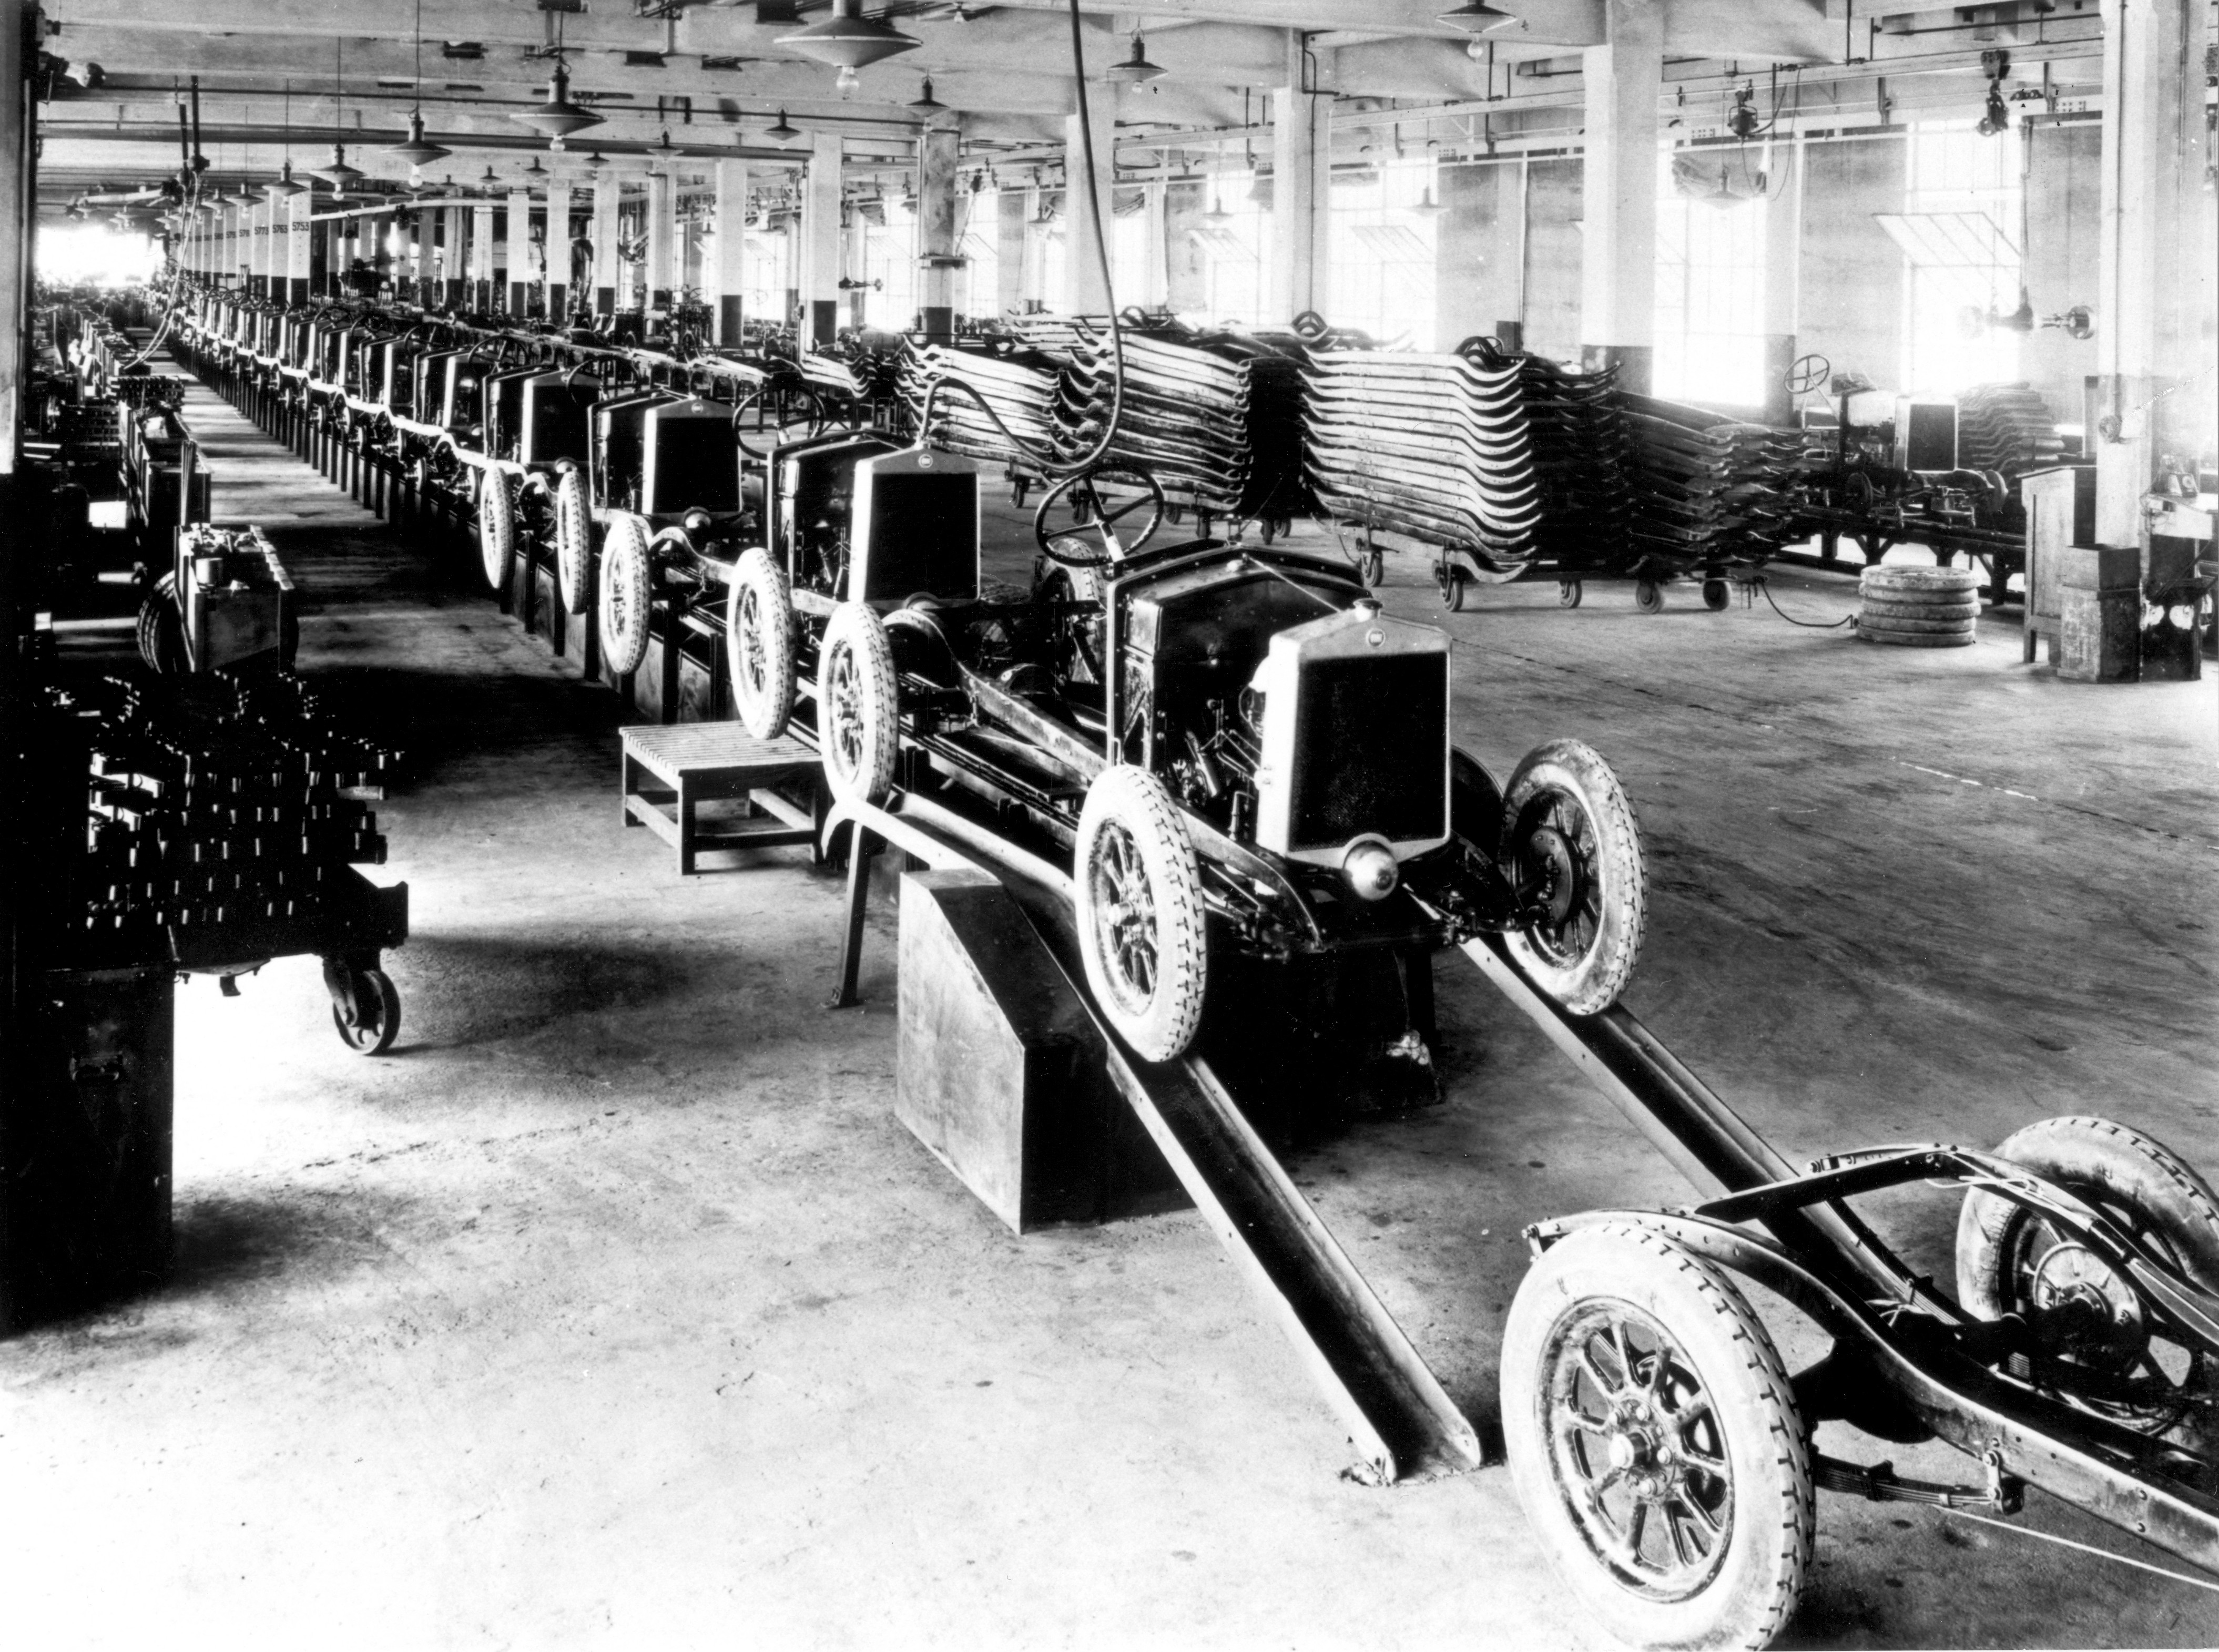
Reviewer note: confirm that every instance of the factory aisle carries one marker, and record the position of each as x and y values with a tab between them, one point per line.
615	1308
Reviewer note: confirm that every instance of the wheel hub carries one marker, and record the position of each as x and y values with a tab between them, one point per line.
1556	872
2085	1308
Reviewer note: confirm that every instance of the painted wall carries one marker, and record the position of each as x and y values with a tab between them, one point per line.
1851	301
1478	252
2064	198
1552	258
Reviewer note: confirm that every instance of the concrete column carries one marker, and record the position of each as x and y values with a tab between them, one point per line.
1617	265
1783	273
1084	291
518	233
298	246
1013	214
258	244
1156	268
479	264
936	232
606	195
427	256
1302	174
820	242
558	257
662	240
17	206
854	262
724	274
2154	311
453	267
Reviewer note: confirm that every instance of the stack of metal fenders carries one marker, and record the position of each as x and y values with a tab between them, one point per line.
1709	491
1437	447
2007	428
1216	417
1019	385
1583	453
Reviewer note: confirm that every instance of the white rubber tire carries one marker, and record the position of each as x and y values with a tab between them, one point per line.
759	643
496	530
1590	979
1133	842
1937	581
626	593
573	542
1918	639
858	704
1747	1597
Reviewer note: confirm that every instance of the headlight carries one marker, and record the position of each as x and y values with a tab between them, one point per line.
697	522
1371	870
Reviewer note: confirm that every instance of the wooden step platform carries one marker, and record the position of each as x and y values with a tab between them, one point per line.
671	769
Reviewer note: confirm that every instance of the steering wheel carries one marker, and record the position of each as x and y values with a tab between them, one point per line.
1084	490
1808	373
777	398
603	369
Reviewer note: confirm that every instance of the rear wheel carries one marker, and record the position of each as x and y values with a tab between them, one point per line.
626	594
1573	853
759	642
2100	1350
858	704
496	530
1655	1442
1142	929
573	542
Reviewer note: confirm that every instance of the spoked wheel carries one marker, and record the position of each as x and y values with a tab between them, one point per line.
1573	853
2100	1348
1656	1443
759	642
496	530
1141	926
573	542
1089	509
858	704
367	1011
626	594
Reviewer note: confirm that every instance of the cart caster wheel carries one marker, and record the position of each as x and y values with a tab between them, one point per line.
1453	585
1175	514
1266	529
375	1021
1655	1442
1716	594
1373	569
1018	492
1569	594
1648	596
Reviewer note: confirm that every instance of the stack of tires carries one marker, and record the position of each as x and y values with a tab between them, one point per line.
1919	607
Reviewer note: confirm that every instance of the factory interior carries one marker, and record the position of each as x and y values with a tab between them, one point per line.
1217	824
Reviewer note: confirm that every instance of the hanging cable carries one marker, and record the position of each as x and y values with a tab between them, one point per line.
1765	586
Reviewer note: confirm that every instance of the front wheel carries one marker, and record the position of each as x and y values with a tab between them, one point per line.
1655	1442
496	530
1573	849
759	640
626	593
573	542
2105	1352
858	704
1142	930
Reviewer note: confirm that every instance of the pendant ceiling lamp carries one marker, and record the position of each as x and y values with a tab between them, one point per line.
490	182
1217	215
1135	69
535	171
418	151
558	117
928	105
1477	18
1426	205
849	39
337	173
784	132
285	184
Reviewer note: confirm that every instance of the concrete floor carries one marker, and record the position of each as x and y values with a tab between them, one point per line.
615	1308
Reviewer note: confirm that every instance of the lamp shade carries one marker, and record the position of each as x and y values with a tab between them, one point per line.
849	39
1477	18
558	117
418	151
1135	69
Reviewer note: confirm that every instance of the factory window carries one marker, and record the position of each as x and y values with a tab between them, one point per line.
764	295
1959	229
1382	241
1129	249
890	263
1232	234
979	282
96	253
1710	288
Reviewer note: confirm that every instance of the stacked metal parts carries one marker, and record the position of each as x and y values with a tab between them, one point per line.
1439	447
219	809
1583	453
1708	491
2007	428
1019	385
1216	417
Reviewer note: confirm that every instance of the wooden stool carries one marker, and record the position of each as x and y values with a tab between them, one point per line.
700	762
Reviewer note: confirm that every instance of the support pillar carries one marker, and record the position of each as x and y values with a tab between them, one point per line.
2154	311
18	207
300	246
555	255
1301	168
661	241
936	232
724	277
1617	261
856	260
1156	266
820	243
520	249
606	196
1014	210
482	297
1085	292
1783	244
452	268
